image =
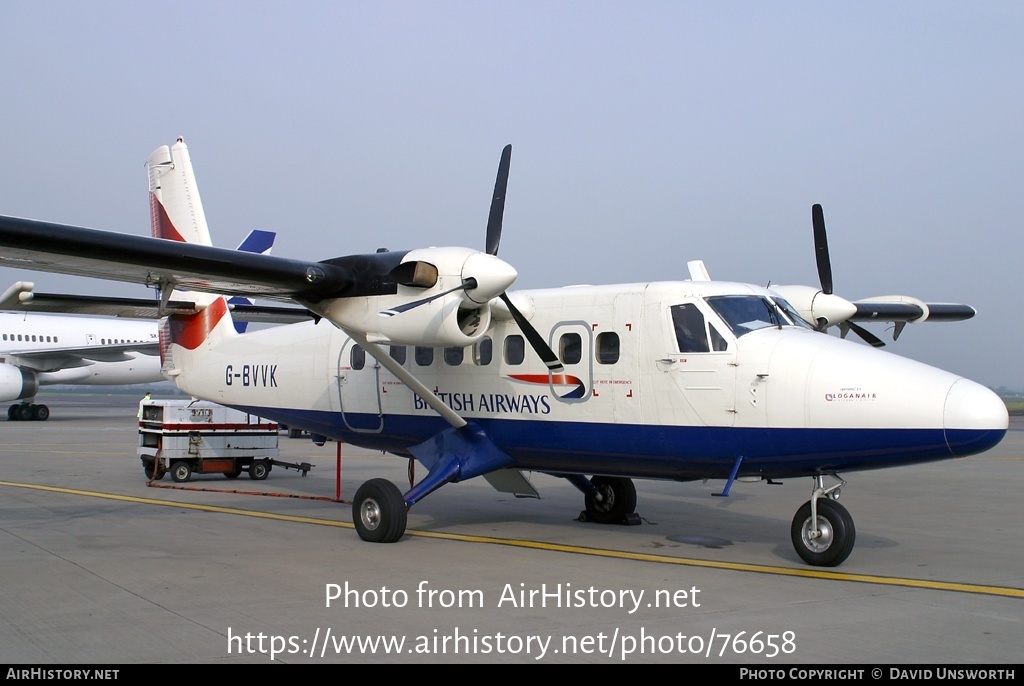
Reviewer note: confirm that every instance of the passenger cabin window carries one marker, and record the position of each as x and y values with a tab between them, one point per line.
453	356
397	353
515	349
424	356
570	348
691	336
607	347
482	352
358	357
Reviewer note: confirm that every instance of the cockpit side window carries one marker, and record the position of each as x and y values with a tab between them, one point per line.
691	336
718	342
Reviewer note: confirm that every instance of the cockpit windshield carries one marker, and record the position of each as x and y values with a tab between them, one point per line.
793	315
746	313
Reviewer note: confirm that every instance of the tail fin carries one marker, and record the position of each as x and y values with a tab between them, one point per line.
176	211
259	242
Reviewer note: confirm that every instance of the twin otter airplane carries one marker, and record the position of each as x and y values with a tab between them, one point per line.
426	354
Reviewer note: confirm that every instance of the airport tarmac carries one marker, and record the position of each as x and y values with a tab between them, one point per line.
100	568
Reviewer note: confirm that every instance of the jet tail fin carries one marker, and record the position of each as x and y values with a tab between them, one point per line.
259	242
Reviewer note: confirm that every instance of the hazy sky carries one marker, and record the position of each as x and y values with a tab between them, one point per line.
645	134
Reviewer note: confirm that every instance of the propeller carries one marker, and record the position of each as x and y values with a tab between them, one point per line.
821	249
494	222
464	286
824	263
862	332
494	274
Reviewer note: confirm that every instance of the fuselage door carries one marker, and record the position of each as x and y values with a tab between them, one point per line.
359	386
573	342
702	362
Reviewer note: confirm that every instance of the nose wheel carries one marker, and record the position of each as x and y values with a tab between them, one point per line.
823	538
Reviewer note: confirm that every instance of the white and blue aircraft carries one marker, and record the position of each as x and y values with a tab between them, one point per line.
428	355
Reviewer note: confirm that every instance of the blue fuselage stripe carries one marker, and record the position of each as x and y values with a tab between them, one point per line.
660	452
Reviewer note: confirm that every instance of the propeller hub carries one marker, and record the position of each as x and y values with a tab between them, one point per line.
493	276
832	308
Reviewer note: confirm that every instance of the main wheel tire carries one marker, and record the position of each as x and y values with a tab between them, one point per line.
837	534
40	413
618	499
379	512
259	469
181	471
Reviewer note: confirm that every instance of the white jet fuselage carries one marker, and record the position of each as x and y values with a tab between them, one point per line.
38	350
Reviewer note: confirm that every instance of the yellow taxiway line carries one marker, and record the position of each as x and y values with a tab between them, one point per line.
809	573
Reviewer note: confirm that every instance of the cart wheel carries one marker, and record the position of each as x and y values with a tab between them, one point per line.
258	470
234	473
181	471
152	473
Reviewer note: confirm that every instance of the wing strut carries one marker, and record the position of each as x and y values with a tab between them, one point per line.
389	363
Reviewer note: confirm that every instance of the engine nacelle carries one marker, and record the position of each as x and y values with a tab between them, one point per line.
455	286
17	383
815	306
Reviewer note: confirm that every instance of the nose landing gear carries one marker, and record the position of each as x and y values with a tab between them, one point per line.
822	531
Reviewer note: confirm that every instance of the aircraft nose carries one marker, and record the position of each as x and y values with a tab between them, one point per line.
974	418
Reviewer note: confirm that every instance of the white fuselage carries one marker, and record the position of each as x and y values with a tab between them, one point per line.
658	382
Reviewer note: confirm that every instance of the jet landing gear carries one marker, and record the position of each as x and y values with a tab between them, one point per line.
609	500
379	512
28	412
822	531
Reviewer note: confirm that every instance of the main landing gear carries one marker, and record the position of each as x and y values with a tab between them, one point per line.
25	412
379	512
822	531
608	499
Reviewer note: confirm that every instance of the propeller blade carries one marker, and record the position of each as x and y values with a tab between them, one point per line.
464	286
546	354
494	219
821	250
868	337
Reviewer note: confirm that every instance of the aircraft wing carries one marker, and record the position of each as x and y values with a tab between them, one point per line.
20	297
160	263
55	359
